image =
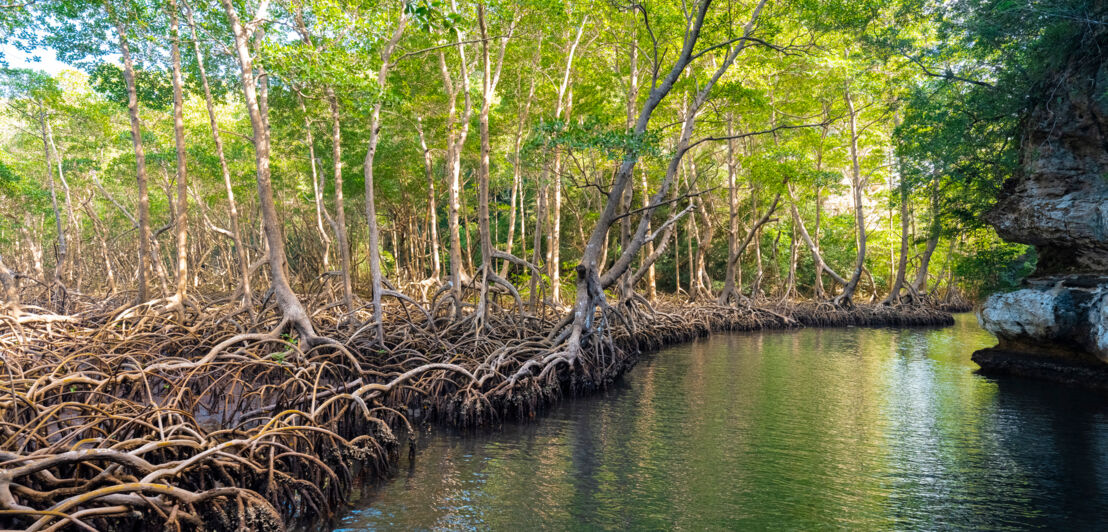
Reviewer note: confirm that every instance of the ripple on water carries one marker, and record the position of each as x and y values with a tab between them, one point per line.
811	429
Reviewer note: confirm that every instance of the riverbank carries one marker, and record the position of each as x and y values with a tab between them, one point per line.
121	419
779	430
670	324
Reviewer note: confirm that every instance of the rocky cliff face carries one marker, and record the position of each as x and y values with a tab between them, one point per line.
1059	204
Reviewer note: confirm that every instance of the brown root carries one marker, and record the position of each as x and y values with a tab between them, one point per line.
119	417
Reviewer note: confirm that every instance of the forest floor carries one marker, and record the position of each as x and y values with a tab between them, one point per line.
116	417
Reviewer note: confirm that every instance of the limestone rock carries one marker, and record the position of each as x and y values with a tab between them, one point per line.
1058	202
1021	313
1057	316
1098	326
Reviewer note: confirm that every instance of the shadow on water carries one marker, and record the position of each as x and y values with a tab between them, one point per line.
849	428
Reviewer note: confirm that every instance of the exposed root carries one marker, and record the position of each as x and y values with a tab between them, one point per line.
120	417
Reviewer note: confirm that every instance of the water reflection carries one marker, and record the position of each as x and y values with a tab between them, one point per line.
848	428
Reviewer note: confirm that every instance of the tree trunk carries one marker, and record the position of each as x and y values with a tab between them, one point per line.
236	233
256	106
629	195
588	279
140	153
432	208
651	274
690	234
98	227
415	264
73	250
34	248
554	242
73	246
902	262
455	140
319	184
370	202
590	286
704	243
488	85
9	290
537	254
774	261
943	273
820	266
181	229
813	245
340	202
522	223
856	185
730	285
467	246
489	79
517	185
59	266
676	264
395	241
813	241
920	284
759	273
156	247
751	235
565	101
676	251
790	281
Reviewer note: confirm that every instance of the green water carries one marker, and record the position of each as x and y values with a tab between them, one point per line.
802	430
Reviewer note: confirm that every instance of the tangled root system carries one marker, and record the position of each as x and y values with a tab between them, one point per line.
122	418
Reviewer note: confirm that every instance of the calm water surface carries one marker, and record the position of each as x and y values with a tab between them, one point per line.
810	429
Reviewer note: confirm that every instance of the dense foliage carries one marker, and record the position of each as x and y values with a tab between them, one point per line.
925	97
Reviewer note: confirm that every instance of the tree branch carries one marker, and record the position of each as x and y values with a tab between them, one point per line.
948	74
763	132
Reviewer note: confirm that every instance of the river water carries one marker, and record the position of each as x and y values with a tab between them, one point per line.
812	429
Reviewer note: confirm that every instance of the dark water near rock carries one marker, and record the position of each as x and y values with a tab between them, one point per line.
810	429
